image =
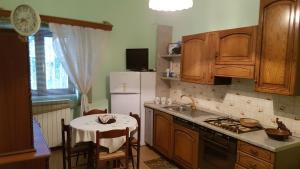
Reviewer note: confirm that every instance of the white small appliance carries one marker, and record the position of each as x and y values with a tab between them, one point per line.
129	91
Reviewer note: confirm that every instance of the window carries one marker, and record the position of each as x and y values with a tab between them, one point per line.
48	76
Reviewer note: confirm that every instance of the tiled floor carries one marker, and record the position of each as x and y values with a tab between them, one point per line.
146	154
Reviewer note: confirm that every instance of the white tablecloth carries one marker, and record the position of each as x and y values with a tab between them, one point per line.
84	130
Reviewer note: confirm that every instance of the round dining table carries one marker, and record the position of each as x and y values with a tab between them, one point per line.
84	129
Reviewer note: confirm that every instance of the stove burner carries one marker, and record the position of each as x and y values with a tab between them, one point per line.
230	124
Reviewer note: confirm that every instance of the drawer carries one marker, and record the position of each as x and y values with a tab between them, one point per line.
250	162
239	167
256	152
240	71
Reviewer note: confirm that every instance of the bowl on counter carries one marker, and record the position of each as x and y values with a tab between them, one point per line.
248	122
277	134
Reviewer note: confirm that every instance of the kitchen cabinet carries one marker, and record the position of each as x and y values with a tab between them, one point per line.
235	46
253	157
22	145
249	156
15	98
197	61
163	133
238	71
278	47
235	52
186	143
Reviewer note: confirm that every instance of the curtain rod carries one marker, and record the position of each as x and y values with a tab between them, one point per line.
48	19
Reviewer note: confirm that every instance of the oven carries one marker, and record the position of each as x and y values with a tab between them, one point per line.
216	150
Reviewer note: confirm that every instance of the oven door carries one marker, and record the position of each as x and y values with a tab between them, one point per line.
218	151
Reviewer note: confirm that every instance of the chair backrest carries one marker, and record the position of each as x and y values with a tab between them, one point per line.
95	111
138	129
65	133
113	134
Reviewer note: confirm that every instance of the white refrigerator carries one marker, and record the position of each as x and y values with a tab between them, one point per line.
129	91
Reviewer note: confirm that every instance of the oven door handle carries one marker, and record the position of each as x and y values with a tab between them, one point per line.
226	146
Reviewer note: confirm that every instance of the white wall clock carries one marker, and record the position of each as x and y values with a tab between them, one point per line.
25	20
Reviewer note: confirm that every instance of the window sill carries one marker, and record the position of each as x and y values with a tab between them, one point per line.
53	98
45	104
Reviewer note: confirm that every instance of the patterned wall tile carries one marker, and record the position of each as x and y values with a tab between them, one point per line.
240	100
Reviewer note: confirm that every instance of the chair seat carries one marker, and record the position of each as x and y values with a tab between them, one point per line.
80	147
104	155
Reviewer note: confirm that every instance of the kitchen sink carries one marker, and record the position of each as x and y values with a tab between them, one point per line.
179	108
186	110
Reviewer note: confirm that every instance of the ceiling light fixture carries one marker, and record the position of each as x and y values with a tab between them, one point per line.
170	5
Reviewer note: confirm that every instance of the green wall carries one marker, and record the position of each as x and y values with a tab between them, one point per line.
135	25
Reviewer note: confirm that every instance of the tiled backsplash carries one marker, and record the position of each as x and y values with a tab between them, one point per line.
240	100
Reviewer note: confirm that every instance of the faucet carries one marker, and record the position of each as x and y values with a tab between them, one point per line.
193	104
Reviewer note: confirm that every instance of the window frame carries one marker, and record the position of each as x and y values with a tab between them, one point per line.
40	66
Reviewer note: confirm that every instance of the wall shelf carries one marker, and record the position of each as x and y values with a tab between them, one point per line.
170	56
170	78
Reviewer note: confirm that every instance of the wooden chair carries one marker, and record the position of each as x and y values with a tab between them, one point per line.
102	155
69	151
95	111
134	143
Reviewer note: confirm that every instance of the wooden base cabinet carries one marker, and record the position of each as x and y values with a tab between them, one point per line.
277	63
186	147
163	133
252	157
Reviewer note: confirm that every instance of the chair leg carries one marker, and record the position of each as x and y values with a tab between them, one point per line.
114	164
138	157
88	160
77	159
131	156
64	160
126	165
69	162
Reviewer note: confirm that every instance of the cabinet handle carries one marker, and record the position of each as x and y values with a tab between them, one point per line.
253	152
253	166
217	54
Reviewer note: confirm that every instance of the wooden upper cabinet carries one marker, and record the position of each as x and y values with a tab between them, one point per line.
197	62
236	46
235	52
278	47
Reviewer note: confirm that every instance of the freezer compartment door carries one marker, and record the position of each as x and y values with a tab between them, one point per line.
125	103
125	82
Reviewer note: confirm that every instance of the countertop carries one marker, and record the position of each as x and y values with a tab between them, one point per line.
257	138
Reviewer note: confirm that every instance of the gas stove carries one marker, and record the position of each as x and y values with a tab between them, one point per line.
231	124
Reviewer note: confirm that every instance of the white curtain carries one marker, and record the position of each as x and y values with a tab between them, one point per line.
80	51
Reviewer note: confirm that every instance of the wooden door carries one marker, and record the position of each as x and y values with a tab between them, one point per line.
163	133
197	62
278	38
186	147
236	46
15	100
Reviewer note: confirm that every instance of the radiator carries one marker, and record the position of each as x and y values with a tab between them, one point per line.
51	125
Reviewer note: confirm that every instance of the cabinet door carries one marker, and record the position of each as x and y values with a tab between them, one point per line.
186	147
236	46
197	62
163	132
15	100
277	46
